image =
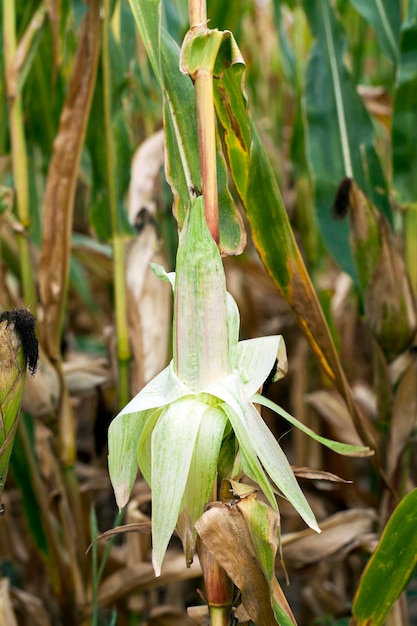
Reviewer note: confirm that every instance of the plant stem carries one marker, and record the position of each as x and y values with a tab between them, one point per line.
19	155
206	125
123	348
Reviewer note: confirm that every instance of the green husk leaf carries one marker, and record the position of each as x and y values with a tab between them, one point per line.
173	441
200	347
201	477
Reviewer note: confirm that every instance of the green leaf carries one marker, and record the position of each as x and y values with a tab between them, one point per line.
404	127
173	440
255	181
24	479
385	18
341	448
390	566
340	132
180	124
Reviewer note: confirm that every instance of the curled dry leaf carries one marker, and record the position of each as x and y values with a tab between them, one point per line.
313	474
83	373
225	531
338	532
146	165
138	527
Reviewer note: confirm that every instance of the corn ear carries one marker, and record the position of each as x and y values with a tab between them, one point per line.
18	349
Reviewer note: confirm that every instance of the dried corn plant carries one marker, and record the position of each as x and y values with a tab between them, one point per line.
314	122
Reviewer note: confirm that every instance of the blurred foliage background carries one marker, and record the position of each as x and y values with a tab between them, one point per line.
331	87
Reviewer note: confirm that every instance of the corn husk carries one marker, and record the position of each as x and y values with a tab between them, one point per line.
18	347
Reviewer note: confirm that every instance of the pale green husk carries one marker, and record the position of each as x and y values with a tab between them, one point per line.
174	427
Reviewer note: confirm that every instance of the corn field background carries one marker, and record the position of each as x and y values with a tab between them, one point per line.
317	149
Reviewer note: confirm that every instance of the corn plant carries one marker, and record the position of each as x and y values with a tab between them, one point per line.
295	121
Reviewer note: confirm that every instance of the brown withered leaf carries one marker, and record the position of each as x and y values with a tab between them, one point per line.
338	532
142	577
225	532
313	474
138	527
199	615
62	178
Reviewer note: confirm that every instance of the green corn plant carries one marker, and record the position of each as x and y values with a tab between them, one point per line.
18	351
174	428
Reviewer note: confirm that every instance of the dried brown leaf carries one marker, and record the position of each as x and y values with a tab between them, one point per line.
224	531
61	181
149	308
142	577
404	417
83	373
338	532
313	474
